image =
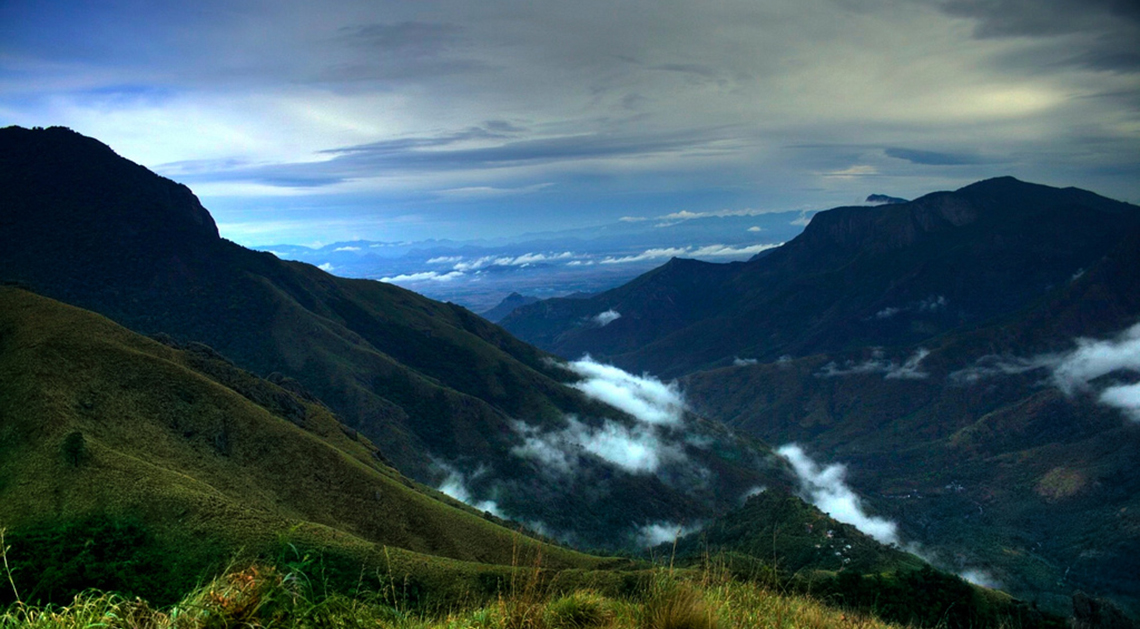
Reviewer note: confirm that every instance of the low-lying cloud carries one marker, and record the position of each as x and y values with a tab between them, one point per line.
605	318
659	533
1093	360
826	489
424	276
1086	369
643	447
878	363
933	303
525	259
455	485
638	449
646	398
706	251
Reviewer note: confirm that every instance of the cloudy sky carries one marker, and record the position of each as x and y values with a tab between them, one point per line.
393	120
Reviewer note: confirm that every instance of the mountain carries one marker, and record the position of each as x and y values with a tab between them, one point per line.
969	356
507	306
882	199
164	463
994	445
447	398
856	277
789	545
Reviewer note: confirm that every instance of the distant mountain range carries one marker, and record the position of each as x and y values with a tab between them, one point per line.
479	273
935	346
858	276
509	304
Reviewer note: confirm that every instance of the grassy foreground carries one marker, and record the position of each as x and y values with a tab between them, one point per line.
262	596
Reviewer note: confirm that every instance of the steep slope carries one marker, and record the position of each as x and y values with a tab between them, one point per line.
986	447
790	545
99	422
446	396
857	276
507	306
920	343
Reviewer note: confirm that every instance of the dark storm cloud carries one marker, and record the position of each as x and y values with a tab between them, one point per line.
1111	27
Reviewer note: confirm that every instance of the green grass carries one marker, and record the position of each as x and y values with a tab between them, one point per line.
202	462
263	596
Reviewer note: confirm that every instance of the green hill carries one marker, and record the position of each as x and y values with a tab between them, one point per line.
441	392
107	437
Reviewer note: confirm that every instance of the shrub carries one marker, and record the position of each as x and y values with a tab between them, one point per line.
580	610
677	606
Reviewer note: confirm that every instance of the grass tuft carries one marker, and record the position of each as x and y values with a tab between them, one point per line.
579	610
257	596
677	605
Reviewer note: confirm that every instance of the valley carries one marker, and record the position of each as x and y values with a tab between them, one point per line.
168	386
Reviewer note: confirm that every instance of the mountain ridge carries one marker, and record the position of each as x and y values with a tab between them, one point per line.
1001	239
446	396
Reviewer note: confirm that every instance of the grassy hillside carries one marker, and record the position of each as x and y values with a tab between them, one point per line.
264	597
186	460
431	385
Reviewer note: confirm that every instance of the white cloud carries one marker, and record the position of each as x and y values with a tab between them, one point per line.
648	254
994	365
707	251
480	192
646	398
605	318
720	251
755	228
1125	397
909	370
663	532
980	577
522	260
638	449
347	248
445	260
642	448
933	303
826	489
1083	369
423	277
327	267
744	362
755	491
455	485
1095	359
851	172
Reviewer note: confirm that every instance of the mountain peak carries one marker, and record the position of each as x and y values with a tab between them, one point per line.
93	192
